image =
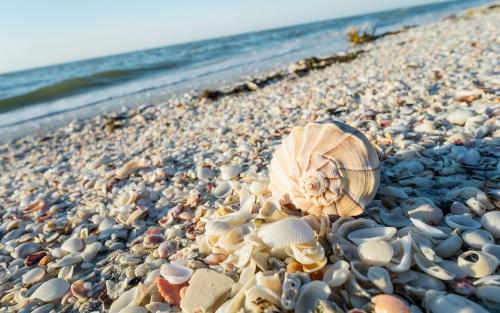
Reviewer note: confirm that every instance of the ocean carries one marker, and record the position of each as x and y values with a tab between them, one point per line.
36	98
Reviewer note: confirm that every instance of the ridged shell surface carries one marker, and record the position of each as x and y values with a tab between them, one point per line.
51	290
285	232
326	168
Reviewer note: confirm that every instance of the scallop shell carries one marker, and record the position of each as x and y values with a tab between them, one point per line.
309	294
51	290
285	232
325	168
176	274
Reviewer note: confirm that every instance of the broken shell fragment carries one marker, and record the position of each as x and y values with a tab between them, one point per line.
309	294
477	264
325	168
371	234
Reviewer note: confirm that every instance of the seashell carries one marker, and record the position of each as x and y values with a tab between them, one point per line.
449	246
459	208
131	297
422	283
439	301
152	241
432	268
33	276
491	222
215	258
223	190
380	278
134	309
90	251
360	270
452	267
477	264
462	286
51	290
347	226
259	187
130	168
335	275
228	172
291	287
25	249
493	280
205	173
488	293
422	209
477	238
260	295
34	258
285	232
73	244
272	282
424	246
378	253
394	218
309	294
462	222
393	192
325	168
427	229
69	259
311	255
80	289
176	274
170	292
492	249
66	272
406	259
389	304
371	234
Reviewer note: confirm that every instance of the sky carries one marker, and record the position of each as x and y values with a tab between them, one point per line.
36	33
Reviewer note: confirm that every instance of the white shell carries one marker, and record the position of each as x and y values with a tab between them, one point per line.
422	209
438	302
463	222
477	264
91	251
73	244
377	253
176	274
477	238
491	222
371	234
406	259
33	276
285	232
228	172
492	249
51	290
432	268
325	168
131	297
223	190
309	294
449	246
427	229
336	274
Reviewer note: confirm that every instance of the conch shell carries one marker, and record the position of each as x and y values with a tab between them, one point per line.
325	168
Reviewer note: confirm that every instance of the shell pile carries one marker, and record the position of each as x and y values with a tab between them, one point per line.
183	208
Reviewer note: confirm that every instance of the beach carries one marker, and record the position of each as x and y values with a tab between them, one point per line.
92	212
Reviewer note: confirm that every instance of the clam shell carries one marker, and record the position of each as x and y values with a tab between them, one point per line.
427	229
389	304
309	294
176	274
477	264
491	222
228	172
51	290
335	275
378	253
449	246
488	293
285	232
90	251
422	209
477	238
371	234
25	249
492	249
73	244
380	278
432	268
462	222
438	302
406	259
33	276
325	168
223	189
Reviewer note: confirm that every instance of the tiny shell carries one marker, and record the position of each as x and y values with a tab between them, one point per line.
477	264
129	168
371	234
389	304
228	172
477	238
176	274
283	233
378	253
463	222
432	268
73	244
51	290
34	258
90	251
491	222
309	294
25	249
152	241
170	292
33	276
223	190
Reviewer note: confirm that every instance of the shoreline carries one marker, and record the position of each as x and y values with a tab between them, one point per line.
100	209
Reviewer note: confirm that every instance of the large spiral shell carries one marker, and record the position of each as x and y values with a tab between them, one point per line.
325	168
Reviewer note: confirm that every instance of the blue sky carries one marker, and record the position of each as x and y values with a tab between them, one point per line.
37	33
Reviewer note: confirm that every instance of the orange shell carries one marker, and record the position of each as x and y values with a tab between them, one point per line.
171	293
389	304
